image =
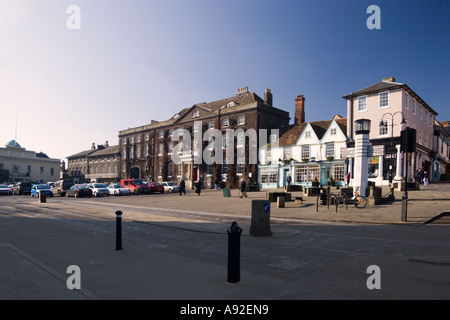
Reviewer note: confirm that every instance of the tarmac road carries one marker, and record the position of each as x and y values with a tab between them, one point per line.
179	251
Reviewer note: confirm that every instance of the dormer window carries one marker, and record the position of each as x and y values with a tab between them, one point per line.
196	114
230	104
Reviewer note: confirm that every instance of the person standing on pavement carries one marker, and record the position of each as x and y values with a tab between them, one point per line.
421	176
198	187
347	177
182	187
217	182
242	189
289	180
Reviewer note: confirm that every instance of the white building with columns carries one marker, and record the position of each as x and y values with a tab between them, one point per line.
387	104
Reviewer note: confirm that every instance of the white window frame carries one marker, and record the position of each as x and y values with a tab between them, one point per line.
287	153
362	104
306	149
386	125
225	123
196	114
241	120
406	101
329	149
380	99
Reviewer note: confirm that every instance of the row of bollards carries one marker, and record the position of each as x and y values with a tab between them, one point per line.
259	227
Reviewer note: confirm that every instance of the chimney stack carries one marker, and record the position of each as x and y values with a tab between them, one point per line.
106	144
389	79
243	90
268	99
93	146
299	110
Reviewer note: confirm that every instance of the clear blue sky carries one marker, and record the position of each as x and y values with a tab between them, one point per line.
133	61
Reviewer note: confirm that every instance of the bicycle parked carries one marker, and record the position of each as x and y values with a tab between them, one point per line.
342	198
358	200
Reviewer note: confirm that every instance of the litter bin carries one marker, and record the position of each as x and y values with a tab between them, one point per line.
226	192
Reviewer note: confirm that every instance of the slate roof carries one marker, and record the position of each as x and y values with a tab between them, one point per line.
241	100
81	154
290	137
106	151
95	152
377	87
386	85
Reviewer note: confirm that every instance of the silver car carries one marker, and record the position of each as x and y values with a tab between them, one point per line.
99	189
117	190
170	187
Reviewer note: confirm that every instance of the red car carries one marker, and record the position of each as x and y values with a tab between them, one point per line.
156	187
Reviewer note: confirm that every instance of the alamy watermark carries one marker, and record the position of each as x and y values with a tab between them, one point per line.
73	21
374	280
374	21
218	142
74	280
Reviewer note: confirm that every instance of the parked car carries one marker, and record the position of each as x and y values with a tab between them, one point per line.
99	189
79	190
136	186
5	190
156	187
170	186
41	188
22	188
117	190
61	186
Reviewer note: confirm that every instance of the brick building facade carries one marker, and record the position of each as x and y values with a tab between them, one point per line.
146	151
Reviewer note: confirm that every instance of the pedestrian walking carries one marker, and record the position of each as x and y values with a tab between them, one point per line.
182	187
289	180
347	178
425	178
198	187
242	189
217	183
421	172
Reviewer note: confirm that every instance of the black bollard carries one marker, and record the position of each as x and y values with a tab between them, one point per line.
234	253
118	230
404	215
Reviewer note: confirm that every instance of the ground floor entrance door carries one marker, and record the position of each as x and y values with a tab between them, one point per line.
325	174
134	173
